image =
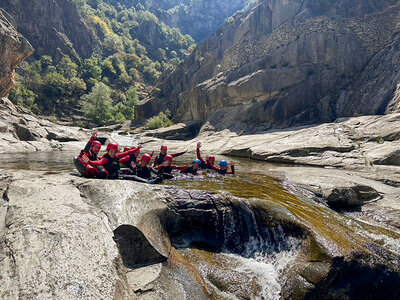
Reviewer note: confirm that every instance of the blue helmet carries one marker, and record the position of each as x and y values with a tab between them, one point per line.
197	161
223	163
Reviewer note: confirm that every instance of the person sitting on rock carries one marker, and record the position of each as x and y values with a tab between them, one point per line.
142	172
223	167
90	152
110	160
161	156
193	169
165	170
210	160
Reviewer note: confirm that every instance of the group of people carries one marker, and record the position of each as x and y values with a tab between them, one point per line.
128	164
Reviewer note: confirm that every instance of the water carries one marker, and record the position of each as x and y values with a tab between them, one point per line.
257	270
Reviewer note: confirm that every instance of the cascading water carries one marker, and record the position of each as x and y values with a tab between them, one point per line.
252	257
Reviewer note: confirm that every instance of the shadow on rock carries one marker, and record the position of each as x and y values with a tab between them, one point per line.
135	250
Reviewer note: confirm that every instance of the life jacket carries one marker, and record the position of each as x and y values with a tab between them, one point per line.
92	156
160	159
165	170
143	172
190	170
112	166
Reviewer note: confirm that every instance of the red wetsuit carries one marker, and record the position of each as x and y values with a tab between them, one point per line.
159	160
189	170
111	165
206	164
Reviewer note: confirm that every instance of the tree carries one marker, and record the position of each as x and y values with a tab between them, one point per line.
97	105
67	67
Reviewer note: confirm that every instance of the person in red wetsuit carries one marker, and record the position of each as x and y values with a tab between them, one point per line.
161	156
193	169
165	170
209	162
91	152
127	161
223	168
110	160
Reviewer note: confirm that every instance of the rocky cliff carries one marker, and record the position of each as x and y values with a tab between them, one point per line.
288	63
199	19
53	27
14	48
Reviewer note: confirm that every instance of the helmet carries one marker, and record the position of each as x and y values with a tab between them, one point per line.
96	143
146	158
164	148
211	159
168	158
197	161
223	163
126	149
112	146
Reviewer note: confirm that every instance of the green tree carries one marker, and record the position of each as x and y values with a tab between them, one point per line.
97	105
67	67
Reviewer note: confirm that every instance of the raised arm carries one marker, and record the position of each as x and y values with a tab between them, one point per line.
178	154
198	152
89	144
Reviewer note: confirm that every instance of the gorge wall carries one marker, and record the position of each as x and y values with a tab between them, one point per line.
14	48
53	27
288	63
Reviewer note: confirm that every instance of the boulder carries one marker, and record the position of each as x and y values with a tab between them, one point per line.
181	131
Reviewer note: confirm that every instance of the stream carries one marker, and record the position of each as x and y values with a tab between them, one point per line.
251	259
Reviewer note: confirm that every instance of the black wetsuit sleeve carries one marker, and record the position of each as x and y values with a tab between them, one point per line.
152	170
88	145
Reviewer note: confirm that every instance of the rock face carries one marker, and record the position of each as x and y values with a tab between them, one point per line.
283	64
20	131
14	48
53	27
199	19
350	163
62	236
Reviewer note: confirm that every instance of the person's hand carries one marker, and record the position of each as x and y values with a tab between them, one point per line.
133	165
94	135
165	164
198	145
231	163
85	158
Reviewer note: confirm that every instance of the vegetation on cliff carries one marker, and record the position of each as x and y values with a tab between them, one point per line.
134	48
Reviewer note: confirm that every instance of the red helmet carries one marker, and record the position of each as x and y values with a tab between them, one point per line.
112	146
146	158
164	148
126	149
168	158
211	159
96	143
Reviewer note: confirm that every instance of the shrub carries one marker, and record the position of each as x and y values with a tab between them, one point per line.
162	120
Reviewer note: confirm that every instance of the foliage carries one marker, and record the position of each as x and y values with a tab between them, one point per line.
127	53
97	105
162	120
